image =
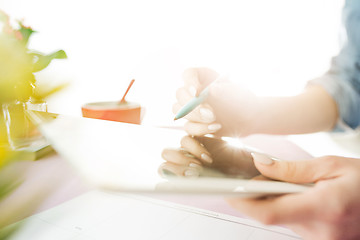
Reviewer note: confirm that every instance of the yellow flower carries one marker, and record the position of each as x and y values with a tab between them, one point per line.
16	77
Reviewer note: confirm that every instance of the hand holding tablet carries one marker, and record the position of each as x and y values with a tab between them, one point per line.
124	157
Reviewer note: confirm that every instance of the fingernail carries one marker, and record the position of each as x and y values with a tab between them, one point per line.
187	154
167	172
191	173
195	165
261	158
207	114
192	91
214	127
206	158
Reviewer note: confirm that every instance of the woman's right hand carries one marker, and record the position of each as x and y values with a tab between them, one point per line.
229	110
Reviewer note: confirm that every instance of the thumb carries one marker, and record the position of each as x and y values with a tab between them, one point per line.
220	86
306	171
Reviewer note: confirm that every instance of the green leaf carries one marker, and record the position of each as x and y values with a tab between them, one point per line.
8	187
42	61
26	33
41	93
6	232
11	176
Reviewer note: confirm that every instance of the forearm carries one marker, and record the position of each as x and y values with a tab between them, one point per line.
312	111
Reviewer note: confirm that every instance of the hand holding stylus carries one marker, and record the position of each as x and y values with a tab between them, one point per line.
196	100
213	105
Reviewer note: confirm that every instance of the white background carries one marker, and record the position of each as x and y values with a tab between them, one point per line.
271	46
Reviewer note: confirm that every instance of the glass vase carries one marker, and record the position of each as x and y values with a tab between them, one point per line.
21	132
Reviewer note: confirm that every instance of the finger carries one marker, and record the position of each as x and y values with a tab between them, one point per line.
306	171
179	156
196	148
176	108
206	76
203	113
198	78
168	169
200	129
191	77
221	87
183	96
277	210
191	81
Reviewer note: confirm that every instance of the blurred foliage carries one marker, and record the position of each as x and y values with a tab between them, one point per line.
18	84
18	63
17	67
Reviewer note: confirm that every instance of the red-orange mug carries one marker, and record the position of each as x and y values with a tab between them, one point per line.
128	112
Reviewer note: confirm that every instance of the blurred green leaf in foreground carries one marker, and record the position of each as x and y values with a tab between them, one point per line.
18	63
18	84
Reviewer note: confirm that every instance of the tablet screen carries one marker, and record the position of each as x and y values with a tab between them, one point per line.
128	157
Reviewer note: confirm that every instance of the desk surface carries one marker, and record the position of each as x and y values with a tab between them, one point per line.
100	215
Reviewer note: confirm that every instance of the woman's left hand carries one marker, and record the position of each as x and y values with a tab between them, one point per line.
329	210
199	152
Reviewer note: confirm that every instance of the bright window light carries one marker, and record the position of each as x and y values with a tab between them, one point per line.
271	47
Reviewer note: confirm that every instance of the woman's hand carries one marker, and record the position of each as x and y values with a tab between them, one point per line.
228	111
231	110
216	155
330	210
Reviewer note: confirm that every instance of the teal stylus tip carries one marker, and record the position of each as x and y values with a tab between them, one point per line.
192	104
196	101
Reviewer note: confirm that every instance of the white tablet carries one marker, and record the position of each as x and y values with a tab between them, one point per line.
127	157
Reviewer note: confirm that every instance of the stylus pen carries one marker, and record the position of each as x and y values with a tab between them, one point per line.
196	101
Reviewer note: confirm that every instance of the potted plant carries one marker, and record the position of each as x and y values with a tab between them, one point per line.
18	92
18	88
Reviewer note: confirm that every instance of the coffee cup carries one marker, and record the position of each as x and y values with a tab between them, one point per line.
128	112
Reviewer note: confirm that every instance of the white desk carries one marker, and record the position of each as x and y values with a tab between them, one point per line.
100	215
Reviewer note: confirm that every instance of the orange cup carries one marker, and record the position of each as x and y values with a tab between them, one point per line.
128	112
